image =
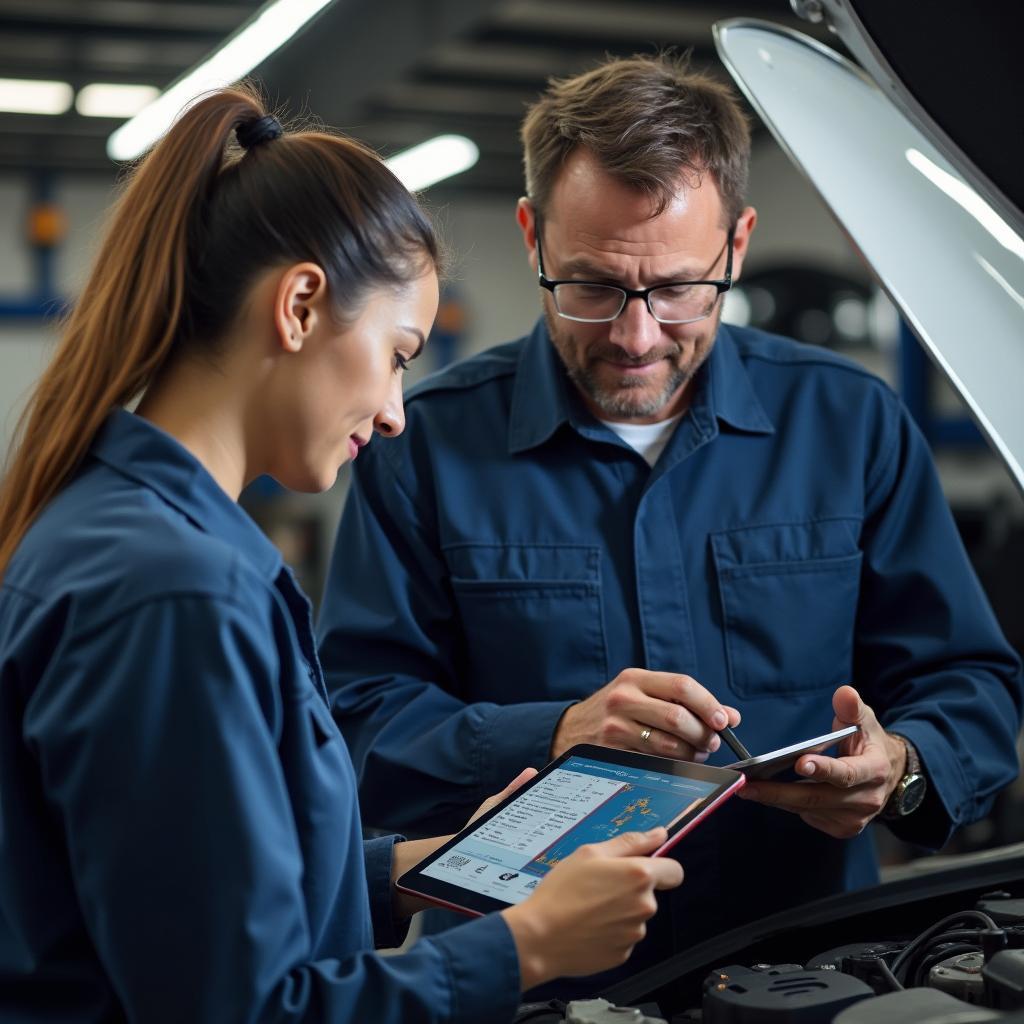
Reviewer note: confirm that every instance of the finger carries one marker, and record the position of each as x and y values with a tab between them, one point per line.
524	776
844	772
680	731
667	873
650	740
797	797
492	801
633	844
827	825
684	690
837	828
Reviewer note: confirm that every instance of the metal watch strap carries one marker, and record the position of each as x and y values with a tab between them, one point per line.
890	812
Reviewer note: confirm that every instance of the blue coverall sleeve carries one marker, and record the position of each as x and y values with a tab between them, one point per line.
393	655
929	650
389	932
158	737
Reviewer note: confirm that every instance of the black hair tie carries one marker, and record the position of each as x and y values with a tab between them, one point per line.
260	129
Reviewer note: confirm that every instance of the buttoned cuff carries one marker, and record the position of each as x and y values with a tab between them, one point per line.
483	970
389	931
514	737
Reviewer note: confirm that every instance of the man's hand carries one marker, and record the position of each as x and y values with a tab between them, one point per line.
848	790
653	712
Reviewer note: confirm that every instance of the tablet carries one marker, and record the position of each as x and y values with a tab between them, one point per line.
766	766
587	795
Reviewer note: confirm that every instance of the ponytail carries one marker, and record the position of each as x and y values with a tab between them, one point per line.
196	222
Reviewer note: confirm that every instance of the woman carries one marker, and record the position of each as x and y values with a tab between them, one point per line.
179	829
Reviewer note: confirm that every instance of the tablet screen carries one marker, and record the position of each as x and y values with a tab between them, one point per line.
580	799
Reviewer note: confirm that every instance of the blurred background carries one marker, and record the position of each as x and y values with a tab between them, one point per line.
396	73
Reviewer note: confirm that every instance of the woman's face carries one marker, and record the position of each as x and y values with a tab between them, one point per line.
346	384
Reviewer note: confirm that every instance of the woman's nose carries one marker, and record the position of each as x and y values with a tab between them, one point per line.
390	421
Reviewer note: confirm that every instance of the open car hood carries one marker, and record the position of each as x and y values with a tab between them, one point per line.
945	241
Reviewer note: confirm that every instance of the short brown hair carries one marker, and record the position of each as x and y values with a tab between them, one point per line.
647	119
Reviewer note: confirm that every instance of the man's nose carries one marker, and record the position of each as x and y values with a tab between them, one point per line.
635	331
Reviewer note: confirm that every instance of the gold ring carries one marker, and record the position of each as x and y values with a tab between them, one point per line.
645	735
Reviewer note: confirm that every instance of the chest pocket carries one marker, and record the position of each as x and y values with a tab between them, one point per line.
788	596
532	619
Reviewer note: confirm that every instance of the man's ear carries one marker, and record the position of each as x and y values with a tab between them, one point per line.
741	239
299	304
526	218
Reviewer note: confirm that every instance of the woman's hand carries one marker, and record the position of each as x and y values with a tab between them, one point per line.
492	801
407	855
591	909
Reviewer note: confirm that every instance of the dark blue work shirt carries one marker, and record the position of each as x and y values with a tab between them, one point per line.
509	555
179	830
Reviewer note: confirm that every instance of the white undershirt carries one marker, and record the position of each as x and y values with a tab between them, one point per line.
649	439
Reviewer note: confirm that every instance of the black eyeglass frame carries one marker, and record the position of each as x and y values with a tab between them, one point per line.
722	285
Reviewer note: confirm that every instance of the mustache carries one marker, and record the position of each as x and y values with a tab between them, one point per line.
616	355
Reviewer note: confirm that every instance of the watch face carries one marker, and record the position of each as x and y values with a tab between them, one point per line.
912	795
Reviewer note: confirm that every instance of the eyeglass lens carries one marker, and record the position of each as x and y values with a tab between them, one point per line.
595	303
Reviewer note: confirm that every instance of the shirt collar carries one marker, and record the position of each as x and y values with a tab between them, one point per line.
544	398
731	395
142	452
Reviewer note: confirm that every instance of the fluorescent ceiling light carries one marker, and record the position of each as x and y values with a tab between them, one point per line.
31	96
259	37
102	99
433	160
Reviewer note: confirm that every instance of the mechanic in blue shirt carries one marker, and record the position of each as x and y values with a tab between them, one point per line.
714	519
179	830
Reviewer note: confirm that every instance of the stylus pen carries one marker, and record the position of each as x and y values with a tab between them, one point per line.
737	748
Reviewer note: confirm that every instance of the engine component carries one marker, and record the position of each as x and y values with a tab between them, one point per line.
600	1011
1004	979
739	995
1002	908
832	959
915	1004
864	960
960	976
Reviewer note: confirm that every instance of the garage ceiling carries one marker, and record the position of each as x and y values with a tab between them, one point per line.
393	72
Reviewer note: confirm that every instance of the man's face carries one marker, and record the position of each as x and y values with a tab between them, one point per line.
597	229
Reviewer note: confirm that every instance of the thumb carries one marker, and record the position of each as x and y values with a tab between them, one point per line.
524	776
633	844
848	707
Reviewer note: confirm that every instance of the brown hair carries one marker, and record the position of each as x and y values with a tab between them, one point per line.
198	221
648	119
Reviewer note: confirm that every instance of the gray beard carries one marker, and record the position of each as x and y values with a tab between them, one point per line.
619	403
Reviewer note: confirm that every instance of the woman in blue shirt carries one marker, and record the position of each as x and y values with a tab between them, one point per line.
179	829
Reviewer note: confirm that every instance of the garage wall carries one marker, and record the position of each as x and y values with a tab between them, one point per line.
25	344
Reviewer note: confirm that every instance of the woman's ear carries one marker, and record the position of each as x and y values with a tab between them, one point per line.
299	304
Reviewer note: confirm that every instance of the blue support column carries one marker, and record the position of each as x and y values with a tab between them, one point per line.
914	371
43	300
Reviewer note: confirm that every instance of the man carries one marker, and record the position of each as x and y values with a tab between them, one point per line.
716	520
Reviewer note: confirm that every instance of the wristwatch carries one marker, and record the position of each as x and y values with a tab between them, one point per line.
910	790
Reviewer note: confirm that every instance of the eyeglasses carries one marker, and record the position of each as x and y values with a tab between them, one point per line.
680	302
